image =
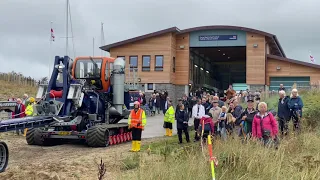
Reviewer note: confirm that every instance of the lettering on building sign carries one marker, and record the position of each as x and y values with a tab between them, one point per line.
217	37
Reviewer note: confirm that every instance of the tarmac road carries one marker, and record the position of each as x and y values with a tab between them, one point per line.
154	127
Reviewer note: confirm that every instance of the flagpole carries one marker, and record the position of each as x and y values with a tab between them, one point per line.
67	25
50	60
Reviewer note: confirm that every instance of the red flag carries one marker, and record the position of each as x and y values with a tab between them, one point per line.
52	35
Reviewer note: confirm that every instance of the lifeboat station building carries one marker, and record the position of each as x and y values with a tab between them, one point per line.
211	57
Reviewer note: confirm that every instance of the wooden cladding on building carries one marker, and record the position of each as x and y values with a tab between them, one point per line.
182	59
159	45
256	56
276	68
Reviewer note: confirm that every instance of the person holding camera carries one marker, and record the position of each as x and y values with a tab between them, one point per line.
264	125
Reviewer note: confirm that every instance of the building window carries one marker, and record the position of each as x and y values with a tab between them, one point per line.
133	61
174	64
123	57
150	86
159	63
146	63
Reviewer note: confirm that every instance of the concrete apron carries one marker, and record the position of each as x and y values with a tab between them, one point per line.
154	127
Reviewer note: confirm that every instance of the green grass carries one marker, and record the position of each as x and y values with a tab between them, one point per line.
298	156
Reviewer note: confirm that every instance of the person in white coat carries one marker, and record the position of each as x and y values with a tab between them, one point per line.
197	112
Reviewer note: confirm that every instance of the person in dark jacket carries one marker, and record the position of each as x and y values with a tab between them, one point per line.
158	103
206	105
192	102
182	123
247	117
295	104
178	105
283	112
185	102
281	88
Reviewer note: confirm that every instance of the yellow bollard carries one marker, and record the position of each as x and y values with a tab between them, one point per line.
25	132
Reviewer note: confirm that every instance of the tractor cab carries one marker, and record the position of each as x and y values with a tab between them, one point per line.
96	71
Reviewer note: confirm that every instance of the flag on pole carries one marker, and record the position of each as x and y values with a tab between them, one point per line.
52	35
311	58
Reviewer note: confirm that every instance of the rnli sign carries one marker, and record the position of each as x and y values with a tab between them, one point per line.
217	37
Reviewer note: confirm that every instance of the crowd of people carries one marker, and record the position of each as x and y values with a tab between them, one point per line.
224	116
24	106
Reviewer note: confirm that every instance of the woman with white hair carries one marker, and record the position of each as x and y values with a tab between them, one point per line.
295	104
283	112
264	125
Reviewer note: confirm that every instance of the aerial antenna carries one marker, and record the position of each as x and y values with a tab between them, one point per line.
93	46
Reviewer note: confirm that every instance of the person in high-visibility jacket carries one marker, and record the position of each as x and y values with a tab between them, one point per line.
137	121
169	119
29	108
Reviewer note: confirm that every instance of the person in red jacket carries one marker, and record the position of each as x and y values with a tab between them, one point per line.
20	109
264	125
208	126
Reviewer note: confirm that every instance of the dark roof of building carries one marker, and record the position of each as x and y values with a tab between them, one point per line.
293	61
271	39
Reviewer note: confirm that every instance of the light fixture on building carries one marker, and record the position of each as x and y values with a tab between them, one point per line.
278	68
207	72
189	84
255	45
195	65
219	50
182	47
223	54
201	69
228	57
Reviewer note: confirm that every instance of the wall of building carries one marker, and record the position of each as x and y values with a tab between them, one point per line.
159	45
182	59
288	69
173	56
256	56
195	42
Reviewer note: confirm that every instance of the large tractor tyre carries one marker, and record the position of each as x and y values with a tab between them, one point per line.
4	156
33	137
97	136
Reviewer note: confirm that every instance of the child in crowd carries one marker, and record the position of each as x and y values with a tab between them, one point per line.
206	126
222	123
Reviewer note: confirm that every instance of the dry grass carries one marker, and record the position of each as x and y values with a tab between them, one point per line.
8	90
298	156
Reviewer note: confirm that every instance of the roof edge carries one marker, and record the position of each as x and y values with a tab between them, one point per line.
157	33
293	61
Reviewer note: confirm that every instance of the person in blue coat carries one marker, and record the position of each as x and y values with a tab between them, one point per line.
295	105
283	112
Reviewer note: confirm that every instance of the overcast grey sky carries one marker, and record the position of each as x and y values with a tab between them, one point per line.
25	25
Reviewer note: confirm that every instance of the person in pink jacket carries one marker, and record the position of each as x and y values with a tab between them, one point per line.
264	125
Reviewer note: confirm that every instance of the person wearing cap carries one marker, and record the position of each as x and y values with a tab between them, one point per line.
136	121
215	110
247	117
169	119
